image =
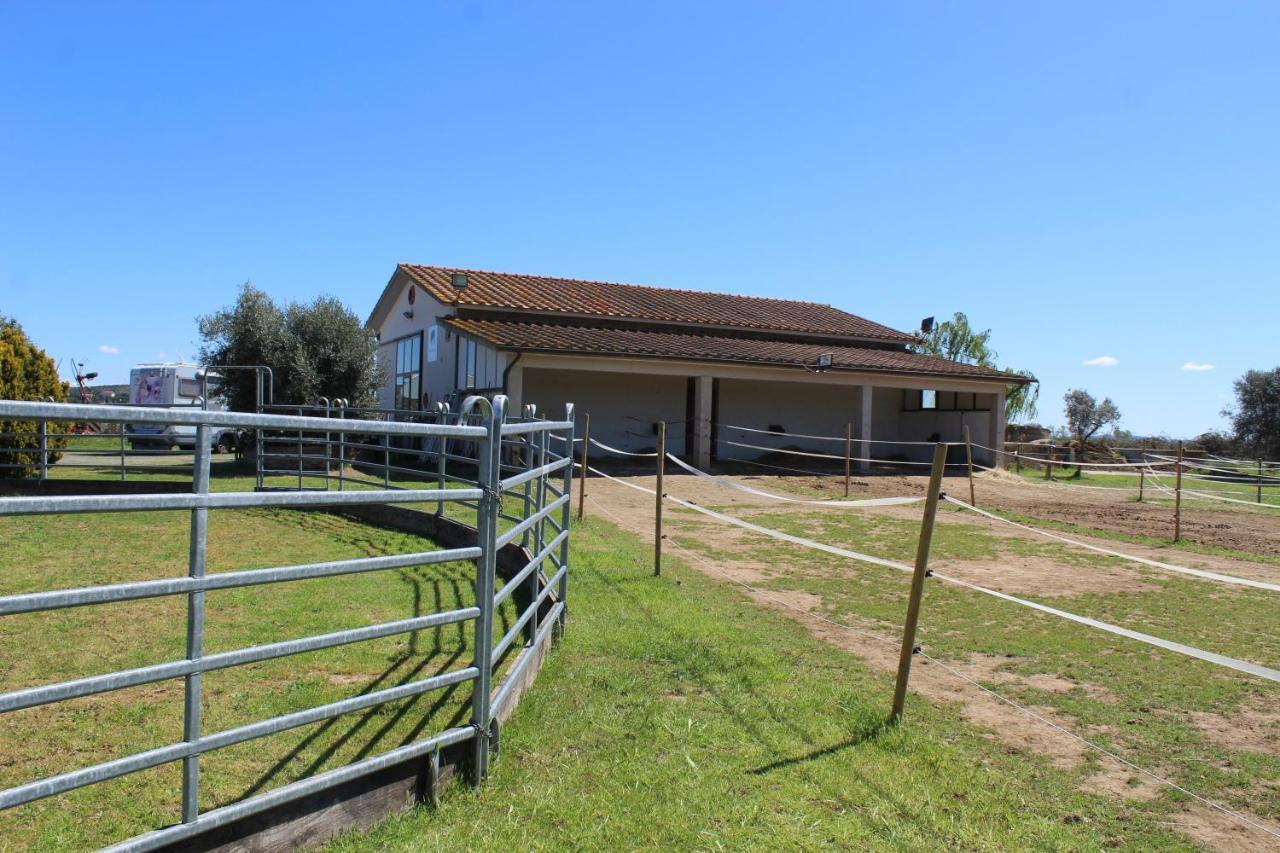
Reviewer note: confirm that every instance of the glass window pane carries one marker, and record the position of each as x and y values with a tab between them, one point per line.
928	399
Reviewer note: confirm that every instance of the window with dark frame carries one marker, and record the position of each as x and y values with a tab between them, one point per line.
468	365
941	401
408	377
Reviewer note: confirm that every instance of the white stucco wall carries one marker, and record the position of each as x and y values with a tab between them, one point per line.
799	408
623	409
446	373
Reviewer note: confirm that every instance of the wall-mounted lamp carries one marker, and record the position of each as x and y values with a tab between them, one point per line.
408	315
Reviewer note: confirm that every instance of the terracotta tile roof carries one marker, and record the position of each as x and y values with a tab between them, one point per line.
550	337
578	298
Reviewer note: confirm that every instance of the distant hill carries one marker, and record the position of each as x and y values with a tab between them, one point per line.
102	394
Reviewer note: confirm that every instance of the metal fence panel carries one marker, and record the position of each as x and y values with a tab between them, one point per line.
441	459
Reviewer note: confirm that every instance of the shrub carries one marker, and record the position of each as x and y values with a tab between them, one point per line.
26	373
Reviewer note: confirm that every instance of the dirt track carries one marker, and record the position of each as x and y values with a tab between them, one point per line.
1239	528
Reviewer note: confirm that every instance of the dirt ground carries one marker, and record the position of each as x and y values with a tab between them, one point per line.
1246	530
1256	531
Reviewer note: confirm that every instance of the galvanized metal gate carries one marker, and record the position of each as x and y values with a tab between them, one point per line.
504	457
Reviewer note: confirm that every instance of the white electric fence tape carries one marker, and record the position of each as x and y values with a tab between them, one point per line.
839	438
1065	463
1244	819
608	449
1155	564
815	455
1247	667
809	614
739	487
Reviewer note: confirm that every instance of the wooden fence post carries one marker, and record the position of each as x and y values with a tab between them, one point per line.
582	483
1142	482
968	452
1017	462
657	518
1177	498
849	452
1048	462
1259	481
917	581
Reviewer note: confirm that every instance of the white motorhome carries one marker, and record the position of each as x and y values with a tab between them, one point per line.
175	385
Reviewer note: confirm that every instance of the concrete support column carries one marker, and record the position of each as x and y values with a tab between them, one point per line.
996	438
863	449
702	391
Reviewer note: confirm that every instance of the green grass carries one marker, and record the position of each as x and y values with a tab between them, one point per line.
1162	542
1241	491
1144	697
676	714
51	552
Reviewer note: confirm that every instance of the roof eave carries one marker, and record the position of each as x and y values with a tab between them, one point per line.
1011	379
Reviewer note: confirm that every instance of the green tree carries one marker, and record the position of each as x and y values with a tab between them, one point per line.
317	349
956	340
1255	417
26	373
1085	415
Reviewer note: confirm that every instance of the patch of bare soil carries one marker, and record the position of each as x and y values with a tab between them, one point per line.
1240	529
1036	575
1255	727
1223	832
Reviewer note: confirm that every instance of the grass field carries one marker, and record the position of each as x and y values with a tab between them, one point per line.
677	714
1242	490
49	552
1200	725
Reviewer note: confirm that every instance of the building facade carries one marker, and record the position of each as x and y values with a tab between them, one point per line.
716	368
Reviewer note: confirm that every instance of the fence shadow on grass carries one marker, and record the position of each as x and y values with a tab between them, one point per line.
429	665
769	709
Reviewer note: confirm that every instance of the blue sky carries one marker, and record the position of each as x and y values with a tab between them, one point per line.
1090	180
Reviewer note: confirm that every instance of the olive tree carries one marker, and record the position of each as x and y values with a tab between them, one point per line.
1085	415
317	349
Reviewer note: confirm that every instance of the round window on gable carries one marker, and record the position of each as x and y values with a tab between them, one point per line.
413	294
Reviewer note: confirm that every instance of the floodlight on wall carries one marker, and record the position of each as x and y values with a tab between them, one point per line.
458	280
823	363
926	325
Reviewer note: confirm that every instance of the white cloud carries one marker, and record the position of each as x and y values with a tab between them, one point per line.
1103	361
1197	366
108	349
